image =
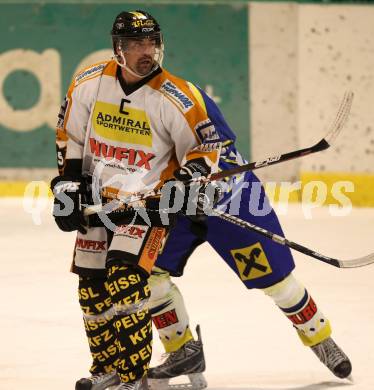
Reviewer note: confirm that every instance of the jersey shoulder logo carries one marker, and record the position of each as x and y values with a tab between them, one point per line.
87	73
177	95
206	131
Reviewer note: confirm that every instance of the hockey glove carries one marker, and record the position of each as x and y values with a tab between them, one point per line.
193	195
208	196
195	200
201	200
192	168
67	209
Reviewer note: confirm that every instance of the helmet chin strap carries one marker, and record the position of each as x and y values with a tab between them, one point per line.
128	69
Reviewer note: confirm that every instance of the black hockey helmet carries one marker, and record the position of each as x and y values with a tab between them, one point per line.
135	24
130	25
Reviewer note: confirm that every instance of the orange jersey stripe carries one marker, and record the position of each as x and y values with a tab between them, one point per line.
212	155
110	69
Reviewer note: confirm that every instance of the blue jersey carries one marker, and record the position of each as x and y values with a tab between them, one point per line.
217	130
257	261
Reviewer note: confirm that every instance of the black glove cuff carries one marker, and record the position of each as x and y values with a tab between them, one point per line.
197	165
65	184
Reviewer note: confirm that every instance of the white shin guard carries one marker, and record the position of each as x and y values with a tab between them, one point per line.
168	311
299	307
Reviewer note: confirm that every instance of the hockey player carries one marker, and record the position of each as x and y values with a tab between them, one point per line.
128	125
259	262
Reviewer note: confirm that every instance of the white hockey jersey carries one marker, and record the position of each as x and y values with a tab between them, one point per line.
131	137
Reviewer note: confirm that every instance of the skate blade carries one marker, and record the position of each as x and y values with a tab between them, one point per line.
197	382
350	378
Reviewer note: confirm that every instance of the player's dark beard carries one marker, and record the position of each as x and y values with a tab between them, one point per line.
144	65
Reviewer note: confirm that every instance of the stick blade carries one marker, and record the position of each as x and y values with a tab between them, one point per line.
359	262
341	117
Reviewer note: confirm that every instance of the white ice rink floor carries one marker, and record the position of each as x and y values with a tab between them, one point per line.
249	344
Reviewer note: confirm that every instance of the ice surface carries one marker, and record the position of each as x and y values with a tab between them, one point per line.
249	344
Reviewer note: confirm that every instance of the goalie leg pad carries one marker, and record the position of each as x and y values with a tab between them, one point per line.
168	311
299	307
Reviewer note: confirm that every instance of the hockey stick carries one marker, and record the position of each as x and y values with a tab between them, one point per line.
323	144
351	263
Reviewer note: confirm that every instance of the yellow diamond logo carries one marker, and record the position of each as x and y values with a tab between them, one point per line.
251	262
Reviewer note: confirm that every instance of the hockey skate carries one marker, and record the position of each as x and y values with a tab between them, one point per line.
333	358
99	381
188	360
140	384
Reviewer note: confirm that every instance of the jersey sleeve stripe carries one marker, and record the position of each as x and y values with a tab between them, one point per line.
212	155
90	72
110	69
198	96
